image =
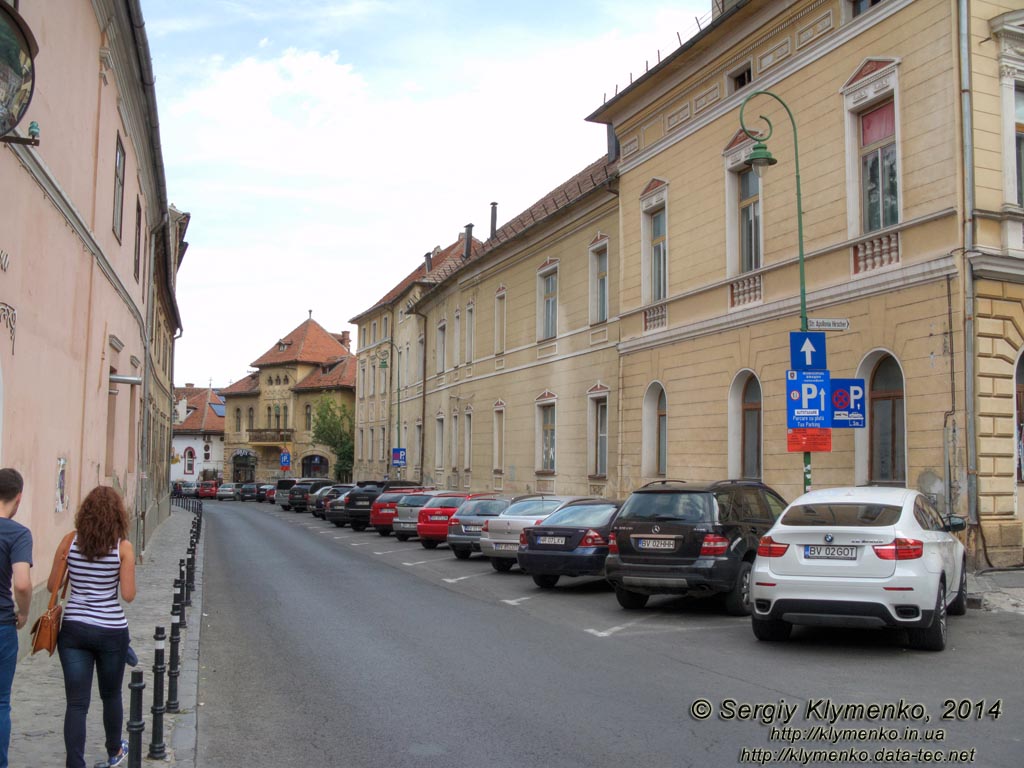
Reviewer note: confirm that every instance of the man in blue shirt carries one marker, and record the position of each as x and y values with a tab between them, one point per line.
15	561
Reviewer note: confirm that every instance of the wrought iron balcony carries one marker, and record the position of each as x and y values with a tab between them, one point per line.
272	436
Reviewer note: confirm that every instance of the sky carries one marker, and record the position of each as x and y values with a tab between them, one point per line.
323	146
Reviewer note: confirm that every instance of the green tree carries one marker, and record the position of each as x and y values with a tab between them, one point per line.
333	427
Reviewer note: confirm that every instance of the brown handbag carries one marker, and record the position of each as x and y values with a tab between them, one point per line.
44	631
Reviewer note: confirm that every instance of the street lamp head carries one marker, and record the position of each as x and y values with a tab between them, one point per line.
760	158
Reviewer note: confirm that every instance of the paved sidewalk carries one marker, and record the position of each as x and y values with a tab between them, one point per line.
997	590
37	698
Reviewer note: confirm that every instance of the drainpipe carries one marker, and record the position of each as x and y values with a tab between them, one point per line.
968	236
423	395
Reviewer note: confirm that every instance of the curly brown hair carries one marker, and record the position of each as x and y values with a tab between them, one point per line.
102	521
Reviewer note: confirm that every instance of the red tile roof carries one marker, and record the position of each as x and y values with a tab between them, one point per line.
339	373
247	385
309	343
203	418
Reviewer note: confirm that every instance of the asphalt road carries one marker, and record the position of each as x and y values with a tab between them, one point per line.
337	648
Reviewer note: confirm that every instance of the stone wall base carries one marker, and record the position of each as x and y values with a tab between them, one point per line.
1002	541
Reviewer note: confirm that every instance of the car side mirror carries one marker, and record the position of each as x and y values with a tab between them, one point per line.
955	523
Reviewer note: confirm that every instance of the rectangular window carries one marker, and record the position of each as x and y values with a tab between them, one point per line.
499	441
547	444
599	285
860	6
741	78
373	332
138	238
359	446
457	340
439	443
878	177
499	324
601	437
419	445
440	348
384	443
398	372
1019	109
469	334
421	360
468	428
659	257
362	382
373	378
549	305
371	449
383	379
384	322
119	161
750	222
455	441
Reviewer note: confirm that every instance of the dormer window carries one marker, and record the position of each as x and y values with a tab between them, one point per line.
860	6
741	78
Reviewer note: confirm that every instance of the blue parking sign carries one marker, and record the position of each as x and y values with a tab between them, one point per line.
808	400
848	403
398	457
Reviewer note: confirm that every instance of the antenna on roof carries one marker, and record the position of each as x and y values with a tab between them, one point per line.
310	314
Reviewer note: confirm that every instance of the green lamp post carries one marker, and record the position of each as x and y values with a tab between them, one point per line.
760	158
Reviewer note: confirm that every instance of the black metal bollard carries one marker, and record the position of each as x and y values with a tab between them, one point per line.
190	572
157	748
186	594
179	599
175	671
136	725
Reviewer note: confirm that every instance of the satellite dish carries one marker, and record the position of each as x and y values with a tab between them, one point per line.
17	71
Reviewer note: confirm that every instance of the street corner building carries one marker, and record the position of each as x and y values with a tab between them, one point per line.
635	324
197	445
269	413
89	251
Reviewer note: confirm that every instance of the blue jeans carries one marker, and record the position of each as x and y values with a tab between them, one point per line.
83	647
8	660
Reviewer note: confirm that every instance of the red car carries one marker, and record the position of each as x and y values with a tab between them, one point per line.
384	509
432	526
207	489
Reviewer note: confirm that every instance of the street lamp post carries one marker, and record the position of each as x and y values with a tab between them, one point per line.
760	158
384	355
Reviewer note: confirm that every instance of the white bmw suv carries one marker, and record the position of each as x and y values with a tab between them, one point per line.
860	557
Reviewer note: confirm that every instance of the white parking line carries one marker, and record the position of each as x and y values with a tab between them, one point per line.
389	551
327	530
517	601
359	543
612	630
421	562
460	578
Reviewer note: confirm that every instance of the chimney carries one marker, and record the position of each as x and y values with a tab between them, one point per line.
494	220
467	247
428	263
613	144
346	339
189	385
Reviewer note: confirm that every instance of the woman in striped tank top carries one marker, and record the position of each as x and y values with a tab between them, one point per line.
94	631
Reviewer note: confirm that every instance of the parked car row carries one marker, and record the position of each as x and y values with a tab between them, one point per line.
866	557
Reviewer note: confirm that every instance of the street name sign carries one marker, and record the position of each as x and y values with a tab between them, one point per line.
828	323
848	403
807	351
808	400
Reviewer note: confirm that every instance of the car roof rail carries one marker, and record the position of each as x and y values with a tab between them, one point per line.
654	483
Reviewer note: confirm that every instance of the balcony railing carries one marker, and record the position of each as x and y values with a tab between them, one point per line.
745	290
270	435
876	252
656	317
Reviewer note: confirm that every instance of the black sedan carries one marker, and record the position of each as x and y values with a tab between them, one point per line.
248	492
572	541
261	492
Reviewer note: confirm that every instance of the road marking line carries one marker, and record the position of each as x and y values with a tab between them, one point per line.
460	578
326	530
389	551
612	630
517	601
421	562
359	543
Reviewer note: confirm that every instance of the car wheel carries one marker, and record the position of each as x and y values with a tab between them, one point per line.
402	536
545	581
737	600
932	638
959	605
631	601
502	564
429	544
338	523
462	553
382	533
771	629
285	507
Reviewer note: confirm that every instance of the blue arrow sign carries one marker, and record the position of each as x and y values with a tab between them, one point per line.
807	351
808	400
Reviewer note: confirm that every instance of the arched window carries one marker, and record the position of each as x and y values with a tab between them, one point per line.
751	441
654	449
268	418
270	379
277	416
190	461
286	378
309	417
888	433
252	419
238	419
278	380
207	451
285	414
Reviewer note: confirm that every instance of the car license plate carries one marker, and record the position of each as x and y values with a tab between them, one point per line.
551	539
472	528
439	517
656	544
829	552
362	502
506	547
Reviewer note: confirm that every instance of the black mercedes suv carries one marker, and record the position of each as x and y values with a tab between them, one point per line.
694	539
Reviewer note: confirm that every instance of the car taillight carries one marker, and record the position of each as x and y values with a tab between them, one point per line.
485	527
592	539
714	545
613	545
522	538
900	549
453	521
768	547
